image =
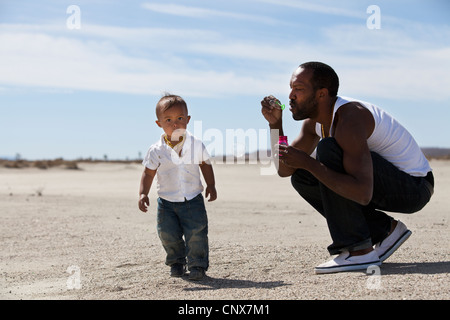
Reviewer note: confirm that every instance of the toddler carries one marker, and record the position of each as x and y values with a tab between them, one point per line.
176	160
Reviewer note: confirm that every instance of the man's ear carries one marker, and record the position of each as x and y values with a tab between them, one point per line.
188	119
158	123
322	93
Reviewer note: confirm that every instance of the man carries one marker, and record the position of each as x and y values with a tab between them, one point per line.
365	162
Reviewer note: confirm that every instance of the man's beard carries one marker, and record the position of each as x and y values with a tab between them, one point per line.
305	110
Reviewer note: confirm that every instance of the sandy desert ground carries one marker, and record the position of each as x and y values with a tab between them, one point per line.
78	234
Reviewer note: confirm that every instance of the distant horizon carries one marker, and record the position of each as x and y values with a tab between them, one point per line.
428	151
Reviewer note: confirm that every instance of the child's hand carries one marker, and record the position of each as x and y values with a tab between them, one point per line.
143	203
211	192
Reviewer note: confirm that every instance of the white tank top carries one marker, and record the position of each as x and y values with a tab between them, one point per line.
390	140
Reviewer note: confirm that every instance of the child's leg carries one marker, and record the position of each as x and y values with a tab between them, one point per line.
170	232
195	226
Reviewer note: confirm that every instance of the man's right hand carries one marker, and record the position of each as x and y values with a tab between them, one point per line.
271	110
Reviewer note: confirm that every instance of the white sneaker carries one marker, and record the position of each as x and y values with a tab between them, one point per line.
346	262
387	247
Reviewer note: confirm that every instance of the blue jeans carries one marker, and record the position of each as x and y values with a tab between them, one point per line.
188	218
353	226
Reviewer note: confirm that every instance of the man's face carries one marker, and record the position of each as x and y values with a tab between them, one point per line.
302	98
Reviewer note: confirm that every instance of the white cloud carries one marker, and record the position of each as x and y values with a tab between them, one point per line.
43	60
392	63
103	58
317	8
197	12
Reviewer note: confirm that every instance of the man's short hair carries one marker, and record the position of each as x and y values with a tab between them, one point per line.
323	77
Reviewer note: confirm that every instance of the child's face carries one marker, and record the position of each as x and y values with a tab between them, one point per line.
174	118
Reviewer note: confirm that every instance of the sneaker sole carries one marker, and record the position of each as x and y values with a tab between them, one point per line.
350	267
196	278
176	275
396	245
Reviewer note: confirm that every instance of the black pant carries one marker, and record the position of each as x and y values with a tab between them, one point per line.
353	226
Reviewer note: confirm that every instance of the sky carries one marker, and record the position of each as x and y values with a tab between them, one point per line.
80	79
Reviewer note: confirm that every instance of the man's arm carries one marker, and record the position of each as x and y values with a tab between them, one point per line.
306	142
352	129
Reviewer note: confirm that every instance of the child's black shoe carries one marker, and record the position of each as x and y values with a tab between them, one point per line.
177	270
196	273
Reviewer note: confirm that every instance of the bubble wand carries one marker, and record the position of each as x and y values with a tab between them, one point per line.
278	103
281	105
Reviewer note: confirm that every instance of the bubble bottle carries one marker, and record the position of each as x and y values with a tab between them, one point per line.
283	140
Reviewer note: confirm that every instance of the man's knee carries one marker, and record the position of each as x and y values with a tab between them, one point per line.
330	153
301	177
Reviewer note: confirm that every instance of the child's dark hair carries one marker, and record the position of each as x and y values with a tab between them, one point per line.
167	101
